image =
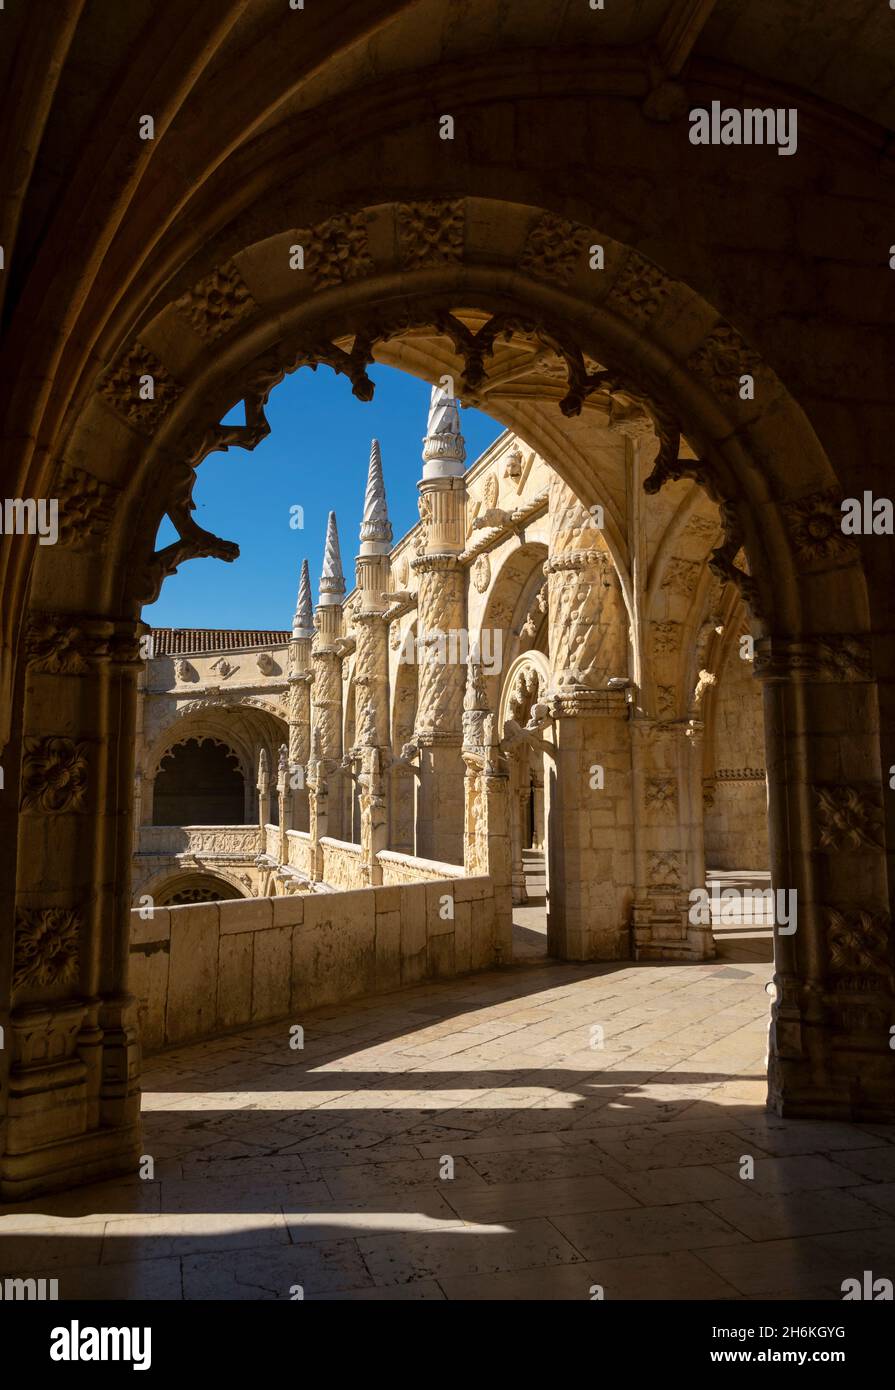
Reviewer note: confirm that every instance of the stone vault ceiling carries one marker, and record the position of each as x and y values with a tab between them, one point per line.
90	51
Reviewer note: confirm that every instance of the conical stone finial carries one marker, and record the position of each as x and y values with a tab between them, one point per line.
303	622
332	580
375	528
444	451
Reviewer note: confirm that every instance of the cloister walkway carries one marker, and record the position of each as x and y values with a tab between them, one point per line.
539	1132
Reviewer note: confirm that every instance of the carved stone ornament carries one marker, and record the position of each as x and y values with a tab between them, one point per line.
639	290
481	573
815	527
554	249
216	304
681	576
86	508
46	946
858	941
184	670
666	636
54	775
140	388
337	250
722	359
664	868
848	818
430	233
661	793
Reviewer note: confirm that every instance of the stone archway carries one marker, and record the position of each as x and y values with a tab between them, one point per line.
525	682
532	282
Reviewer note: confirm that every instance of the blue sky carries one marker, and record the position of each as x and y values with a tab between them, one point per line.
315	458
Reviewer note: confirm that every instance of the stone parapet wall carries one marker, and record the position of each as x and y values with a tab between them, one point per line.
203	969
404	868
299	842
342	863
200	839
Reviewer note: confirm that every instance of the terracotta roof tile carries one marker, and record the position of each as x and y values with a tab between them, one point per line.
192	641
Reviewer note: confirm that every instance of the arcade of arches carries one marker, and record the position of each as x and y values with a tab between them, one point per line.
642	514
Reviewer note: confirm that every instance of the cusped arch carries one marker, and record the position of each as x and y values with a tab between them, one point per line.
684	379
527	665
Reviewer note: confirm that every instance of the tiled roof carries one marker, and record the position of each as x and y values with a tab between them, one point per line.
191	641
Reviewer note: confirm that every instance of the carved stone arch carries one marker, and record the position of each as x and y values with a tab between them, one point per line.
525	274
531	661
164	884
525	681
513	583
184	736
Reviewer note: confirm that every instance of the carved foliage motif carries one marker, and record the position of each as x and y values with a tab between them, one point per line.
681	575
858	941
217	303
46	946
554	249
664	868
86	508
640	289
54	775
722	359
661	793
666	637
122	386
337	250
65	644
848	818
815	526
430	233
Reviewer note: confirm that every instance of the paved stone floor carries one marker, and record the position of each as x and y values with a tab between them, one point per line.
572	1165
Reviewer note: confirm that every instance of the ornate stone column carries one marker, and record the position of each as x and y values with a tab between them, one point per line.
283	803
263	788
830	1042
486	820
588	791
442	637
300	678
326	690
72	1105
318	806
669	859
